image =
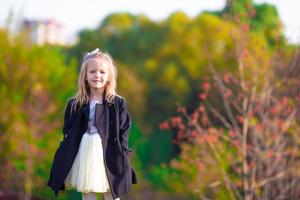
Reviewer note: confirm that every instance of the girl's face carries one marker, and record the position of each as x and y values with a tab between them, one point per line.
97	73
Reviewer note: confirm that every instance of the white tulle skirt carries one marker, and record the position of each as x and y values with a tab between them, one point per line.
88	170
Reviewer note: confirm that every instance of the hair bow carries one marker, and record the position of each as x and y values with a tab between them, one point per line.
94	52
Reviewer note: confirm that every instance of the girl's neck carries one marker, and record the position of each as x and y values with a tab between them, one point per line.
96	95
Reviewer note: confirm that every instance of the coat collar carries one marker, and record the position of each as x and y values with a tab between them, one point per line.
86	106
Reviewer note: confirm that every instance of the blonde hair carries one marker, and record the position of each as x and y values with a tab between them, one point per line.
83	91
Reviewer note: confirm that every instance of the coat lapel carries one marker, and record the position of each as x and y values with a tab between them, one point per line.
101	117
86	107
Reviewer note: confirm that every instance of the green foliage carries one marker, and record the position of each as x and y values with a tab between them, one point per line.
166	178
234	7
34	85
267	21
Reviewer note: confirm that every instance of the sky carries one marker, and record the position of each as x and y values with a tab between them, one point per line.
76	15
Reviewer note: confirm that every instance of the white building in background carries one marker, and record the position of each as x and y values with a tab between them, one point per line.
45	31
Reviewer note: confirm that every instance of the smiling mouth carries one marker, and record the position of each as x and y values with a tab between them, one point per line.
96	81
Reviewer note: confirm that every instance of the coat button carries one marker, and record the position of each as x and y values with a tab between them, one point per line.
66	135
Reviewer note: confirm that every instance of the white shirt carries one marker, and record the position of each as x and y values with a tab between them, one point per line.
91	125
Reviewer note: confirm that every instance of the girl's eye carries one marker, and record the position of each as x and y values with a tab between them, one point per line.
102	72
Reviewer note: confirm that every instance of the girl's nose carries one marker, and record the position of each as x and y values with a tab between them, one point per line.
98	74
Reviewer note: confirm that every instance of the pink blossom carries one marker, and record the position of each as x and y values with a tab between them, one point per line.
206	86
164	125
203	96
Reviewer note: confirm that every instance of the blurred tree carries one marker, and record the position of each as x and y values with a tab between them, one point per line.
35	84
251	136
263	18
237	7
266	20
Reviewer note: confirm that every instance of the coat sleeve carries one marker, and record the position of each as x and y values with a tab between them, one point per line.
67	115
125	125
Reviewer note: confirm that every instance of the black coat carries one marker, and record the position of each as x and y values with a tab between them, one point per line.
114	121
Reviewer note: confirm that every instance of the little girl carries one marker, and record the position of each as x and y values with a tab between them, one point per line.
93	156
